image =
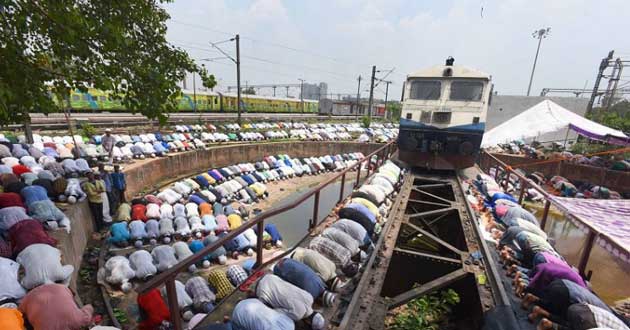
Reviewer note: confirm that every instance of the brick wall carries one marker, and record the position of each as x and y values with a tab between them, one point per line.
148	175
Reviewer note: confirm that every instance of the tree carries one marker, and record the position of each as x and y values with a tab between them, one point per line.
50	47
617	116
393	111
249	91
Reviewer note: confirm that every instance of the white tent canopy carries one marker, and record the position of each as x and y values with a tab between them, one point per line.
546	117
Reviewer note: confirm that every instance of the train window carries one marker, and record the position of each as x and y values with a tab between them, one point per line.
425	90
442	117
84	97
425	117
409	115
475	120
102	98
76	98
466	90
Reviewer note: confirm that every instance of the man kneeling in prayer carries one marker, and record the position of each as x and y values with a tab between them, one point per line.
289	299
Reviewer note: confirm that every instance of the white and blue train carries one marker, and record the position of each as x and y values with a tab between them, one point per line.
443	116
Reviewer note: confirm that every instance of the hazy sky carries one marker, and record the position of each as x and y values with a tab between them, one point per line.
335	41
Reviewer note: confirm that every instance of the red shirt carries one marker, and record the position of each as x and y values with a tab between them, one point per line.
10	199
20	169
139	212
154	308
28	232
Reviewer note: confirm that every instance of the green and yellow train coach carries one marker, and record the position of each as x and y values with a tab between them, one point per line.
96	100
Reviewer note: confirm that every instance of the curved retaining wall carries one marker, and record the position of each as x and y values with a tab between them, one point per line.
151	174
615	180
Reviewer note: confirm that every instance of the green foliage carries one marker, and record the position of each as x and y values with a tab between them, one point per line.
50	47
617	116
426	313
366	121
393	111
88	130
249	91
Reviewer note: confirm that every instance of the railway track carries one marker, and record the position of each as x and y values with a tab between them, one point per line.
431	242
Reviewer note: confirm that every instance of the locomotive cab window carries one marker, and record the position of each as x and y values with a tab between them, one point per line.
466	90
425	90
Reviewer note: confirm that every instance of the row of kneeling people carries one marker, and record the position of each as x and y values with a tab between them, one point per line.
309	277
555	294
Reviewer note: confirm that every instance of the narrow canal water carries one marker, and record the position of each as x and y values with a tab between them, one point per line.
293	224
611	276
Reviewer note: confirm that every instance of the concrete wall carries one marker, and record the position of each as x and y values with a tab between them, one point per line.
504	107
615	180
151	174
73	245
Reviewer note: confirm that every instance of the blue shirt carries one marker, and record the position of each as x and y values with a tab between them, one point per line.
119	233
118	180
33	194
300	275
201	180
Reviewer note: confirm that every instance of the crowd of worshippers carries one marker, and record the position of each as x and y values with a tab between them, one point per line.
296	289
73	156
559	186
205	203
199	210
615	162
555	294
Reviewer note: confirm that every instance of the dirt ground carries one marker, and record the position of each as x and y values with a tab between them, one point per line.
124	305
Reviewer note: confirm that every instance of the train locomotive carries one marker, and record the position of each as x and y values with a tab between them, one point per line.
443	117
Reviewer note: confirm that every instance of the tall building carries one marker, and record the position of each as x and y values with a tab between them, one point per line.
315	91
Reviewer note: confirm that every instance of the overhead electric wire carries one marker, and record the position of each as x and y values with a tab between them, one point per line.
278	45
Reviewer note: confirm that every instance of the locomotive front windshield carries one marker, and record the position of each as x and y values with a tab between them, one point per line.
466	90
425	90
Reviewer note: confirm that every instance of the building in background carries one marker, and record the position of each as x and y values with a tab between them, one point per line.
315	91
349	108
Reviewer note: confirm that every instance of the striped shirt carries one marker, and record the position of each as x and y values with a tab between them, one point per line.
331	250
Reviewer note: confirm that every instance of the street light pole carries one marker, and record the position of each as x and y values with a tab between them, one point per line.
386	92
540	34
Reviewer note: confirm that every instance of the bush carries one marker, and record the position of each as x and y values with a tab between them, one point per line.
88	130
366	121
429	312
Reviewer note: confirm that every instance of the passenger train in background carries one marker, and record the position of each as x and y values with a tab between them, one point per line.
443	116
97	100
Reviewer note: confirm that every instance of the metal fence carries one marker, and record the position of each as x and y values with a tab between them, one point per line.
168	277
488	161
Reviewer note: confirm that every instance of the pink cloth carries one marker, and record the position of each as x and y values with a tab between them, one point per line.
52	307
501	210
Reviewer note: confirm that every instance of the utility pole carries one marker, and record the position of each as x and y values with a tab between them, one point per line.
358	97
602	66
301	94
238	77
371	92
236	61
194	93
386	91
540	34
